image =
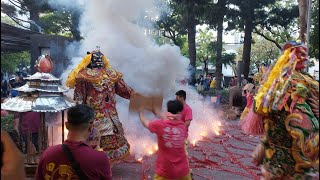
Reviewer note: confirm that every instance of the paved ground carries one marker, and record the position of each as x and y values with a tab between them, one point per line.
222	157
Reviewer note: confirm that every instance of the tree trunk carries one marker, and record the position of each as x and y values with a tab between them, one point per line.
218	72
206	68
34	16
192	41
247	46
303	14
75	17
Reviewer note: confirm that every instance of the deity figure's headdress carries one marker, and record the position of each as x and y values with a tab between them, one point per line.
94	59
293	58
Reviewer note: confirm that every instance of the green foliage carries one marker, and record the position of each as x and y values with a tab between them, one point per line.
281	23
205	45
60	22
57	23
228	59
263	52
10	61
183	18
170	22
261	17
207	48
7	122
7	20
224	94
183	41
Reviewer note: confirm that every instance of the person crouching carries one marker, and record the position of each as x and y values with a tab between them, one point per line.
172	162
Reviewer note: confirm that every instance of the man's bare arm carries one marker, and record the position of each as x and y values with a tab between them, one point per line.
188	122
143	120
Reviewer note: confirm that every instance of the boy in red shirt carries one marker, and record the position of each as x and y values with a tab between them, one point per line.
186	114
172	162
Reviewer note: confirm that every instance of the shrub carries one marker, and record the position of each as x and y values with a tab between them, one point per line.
213	92
7	122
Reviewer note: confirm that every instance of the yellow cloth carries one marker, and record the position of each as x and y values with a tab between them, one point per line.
244	114
186	177
267	85
213	83
71	81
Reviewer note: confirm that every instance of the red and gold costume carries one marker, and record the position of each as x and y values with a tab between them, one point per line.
97	87
288	102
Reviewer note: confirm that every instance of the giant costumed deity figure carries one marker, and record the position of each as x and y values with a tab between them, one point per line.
286	107
95	83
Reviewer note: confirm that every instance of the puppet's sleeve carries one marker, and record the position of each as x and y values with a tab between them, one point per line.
80	92
123	90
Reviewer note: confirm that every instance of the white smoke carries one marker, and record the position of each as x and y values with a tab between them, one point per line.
147	67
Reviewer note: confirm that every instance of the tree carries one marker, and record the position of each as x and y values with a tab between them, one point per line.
61	22
263	52
11	61
249	14
221	13
191	13
205	47
228	59
170	23
281	23
56	23
214	16
7	20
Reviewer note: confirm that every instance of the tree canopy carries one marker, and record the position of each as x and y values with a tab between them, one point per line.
11	61
62	22
263	52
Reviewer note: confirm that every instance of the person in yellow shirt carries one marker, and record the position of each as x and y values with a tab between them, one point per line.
213	83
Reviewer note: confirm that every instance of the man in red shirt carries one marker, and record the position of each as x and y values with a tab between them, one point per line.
186	114
172	162
55	163
30	122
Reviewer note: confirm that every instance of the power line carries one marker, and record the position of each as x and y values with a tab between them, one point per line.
16	19
14	4
17	22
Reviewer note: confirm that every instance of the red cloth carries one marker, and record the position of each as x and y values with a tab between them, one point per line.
55	165
4	113
186	114
172	160
249	98
30	122
234	81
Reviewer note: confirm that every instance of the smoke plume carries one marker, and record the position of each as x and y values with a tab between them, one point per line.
148	68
